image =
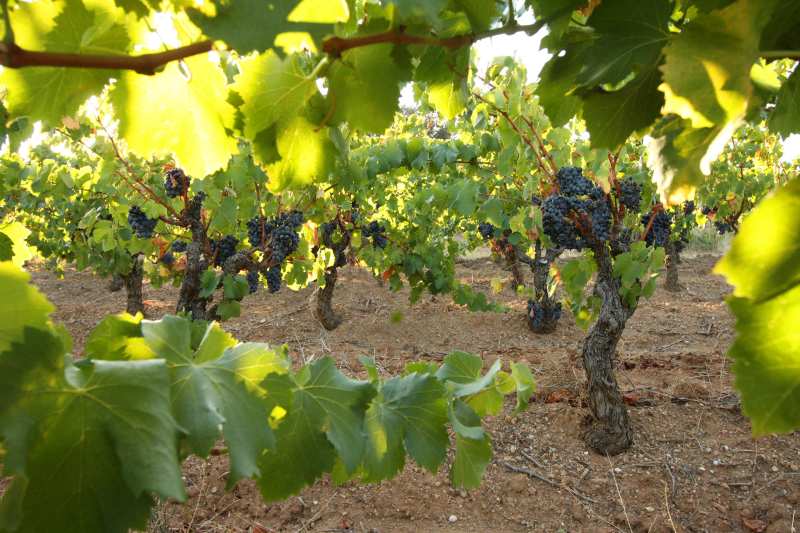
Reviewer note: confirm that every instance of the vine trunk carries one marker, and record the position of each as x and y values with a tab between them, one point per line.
133	286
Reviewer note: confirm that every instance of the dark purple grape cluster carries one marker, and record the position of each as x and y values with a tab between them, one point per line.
274	279
538	314
630	195
486	230
600	215
283	242
328	229
141	225
223	249
176	183
572	182
706	210
659	232
179	246
258	227
377	233
688	207
252	281
168	258
722	227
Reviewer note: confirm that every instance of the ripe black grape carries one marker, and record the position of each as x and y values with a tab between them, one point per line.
274	279
258	227
176	183
223	249
376	232
538	314
486	230
557	226
630	194
252	281
706	210
600	216
660	229
142	226
688	207
168	259
179	246
571	182
283	242
722	227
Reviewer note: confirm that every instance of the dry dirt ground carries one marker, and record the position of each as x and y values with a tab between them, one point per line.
694	466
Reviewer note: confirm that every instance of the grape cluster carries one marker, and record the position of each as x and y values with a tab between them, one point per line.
176	183
659	231
168	258
688	207
579	215
142	226
486	230
538	314
722	227
274	279
376	232
223	249
706	210
179	246
256	227
572	182
252	281
630	194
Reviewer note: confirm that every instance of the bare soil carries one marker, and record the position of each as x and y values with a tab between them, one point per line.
694	466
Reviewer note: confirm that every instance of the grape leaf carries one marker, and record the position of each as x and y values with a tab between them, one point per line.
764	258
6	247
444	73
217	390
247	25
364	87
628	37
525	384
118	338
481	14
785	117
168	114
23	305
556	81
473	447
611	117
67	443
417	10
410	410
706	73
307	154
271	89
324	415
49	94
767	361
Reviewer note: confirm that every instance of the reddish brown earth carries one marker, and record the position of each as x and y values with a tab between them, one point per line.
694	466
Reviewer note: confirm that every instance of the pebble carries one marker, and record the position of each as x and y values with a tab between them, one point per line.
774	469
452	519
649	509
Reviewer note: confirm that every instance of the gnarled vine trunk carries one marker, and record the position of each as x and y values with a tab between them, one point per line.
324	308
133	286
673	259
517	277
609	431
189	299
549	309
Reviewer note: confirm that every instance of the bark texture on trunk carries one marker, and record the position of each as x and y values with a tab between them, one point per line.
543	311
324	307
673	260
116	283
609	431
189	300
133	286
517	277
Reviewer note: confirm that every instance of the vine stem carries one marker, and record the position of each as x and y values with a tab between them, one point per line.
13	56
780	54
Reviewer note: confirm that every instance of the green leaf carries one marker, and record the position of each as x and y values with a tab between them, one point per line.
472	458
785	118
611	117
409	413
102	429
193	114
445	72
764	259
218	387
307	154
707	67
526	385
272	90
228	309
118	338
234	287
209	281
6	247
767	361
628	37
481	14
325	413
247	25
23	305
49	94
417	10
365	87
